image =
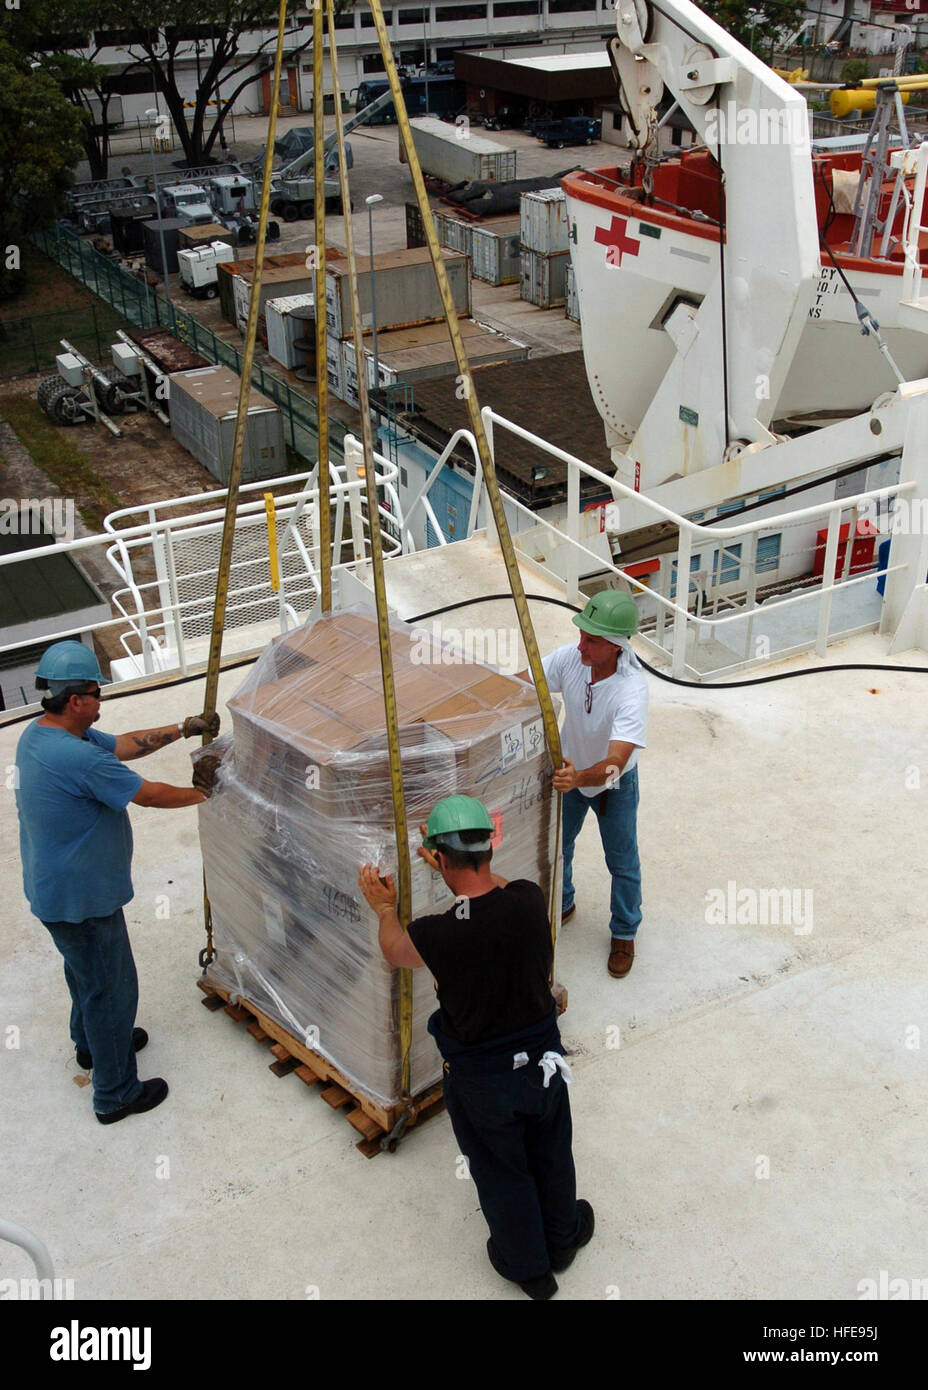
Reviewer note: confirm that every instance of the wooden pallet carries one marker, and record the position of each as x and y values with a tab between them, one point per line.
374	1122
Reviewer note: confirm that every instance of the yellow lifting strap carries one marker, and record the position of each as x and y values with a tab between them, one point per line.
404	867
552	734
318	258
238	446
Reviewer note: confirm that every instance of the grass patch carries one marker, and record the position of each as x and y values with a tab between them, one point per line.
48	289
60	461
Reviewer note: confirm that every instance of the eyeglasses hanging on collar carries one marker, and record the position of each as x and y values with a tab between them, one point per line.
588	700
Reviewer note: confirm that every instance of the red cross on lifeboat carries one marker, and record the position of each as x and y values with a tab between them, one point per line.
616	240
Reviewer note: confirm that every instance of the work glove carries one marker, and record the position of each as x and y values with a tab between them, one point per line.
204	773
199	724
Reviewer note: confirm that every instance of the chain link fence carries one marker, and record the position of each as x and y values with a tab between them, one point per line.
129	300
31	345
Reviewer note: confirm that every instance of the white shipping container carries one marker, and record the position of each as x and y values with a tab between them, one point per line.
405	291
544	221
289	319
204	409
544	278
241	298
454	233
456	154
335	366
572	305
497	253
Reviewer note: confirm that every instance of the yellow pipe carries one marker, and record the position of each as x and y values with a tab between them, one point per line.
860	99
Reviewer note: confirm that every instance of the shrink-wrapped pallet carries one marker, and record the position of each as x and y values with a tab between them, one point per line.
304	798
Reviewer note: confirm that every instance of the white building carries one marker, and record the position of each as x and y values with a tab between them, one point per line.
433	32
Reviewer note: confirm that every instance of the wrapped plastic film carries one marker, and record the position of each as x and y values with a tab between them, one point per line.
303	798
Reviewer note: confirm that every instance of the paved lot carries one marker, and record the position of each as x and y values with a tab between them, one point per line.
377	169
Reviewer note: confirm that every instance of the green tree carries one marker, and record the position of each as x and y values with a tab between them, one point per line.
50	34
225	39
39	148
758	24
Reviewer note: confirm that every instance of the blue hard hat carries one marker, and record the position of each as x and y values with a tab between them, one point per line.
67	664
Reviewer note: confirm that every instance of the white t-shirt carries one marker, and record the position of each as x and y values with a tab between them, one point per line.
619	711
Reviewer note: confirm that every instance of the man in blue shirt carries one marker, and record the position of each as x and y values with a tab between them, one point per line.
76	843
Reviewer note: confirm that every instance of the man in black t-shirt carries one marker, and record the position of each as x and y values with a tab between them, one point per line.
496	1028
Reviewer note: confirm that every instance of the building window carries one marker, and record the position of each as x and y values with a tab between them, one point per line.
774	492
694	566
413	16
570	6
121	38
367	20
727	565
460	14
508	9
345	21
404	478
768	553
188	33
372	62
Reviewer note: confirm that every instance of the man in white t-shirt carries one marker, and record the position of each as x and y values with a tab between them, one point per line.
605	723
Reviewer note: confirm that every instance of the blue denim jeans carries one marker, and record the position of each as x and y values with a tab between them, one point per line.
617	813
516	1134
100	972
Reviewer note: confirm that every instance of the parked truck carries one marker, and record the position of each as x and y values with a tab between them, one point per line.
188	201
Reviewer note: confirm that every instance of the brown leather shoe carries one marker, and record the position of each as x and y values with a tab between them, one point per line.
566	916
621	957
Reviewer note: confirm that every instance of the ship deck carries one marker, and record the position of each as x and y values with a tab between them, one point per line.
748	1104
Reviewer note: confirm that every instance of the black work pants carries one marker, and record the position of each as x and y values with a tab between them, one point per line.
516	1135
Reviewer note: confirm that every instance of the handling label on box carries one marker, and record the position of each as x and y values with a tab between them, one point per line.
513	749
533	738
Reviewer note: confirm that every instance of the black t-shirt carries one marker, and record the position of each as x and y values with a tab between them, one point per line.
491	958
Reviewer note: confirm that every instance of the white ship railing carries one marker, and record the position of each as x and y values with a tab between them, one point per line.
163	558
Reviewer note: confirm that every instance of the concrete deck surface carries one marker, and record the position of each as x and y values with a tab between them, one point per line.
748	1103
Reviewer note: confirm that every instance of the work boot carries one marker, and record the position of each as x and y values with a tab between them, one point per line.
153	1092
139	1040
560	1259
621	957
545	1286
568	913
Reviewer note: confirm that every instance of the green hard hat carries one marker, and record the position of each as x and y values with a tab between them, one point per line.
454	813
609	614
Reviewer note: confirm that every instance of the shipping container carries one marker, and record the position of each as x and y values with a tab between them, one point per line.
408	355
405	290
572	304
170	228
227	274
544	278
453	232
127	226
282	277
204	404
544	221
445	155
415	232
291	324
202	234
335	365
496	256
